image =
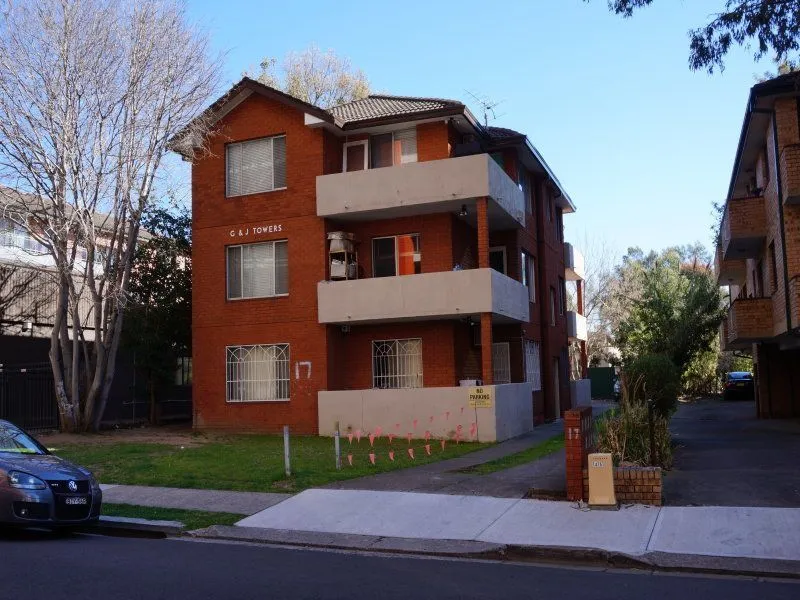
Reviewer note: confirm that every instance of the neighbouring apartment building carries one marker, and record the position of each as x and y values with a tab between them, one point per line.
758	257
372	264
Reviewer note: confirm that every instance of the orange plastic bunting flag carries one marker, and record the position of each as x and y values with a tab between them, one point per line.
350	437
358	435
443	442
428	449
372	457
411	453
350	459
371	439
391	455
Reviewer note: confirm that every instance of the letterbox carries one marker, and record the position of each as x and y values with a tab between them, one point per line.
601	480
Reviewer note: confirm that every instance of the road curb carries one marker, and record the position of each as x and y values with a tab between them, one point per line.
654	561
130	527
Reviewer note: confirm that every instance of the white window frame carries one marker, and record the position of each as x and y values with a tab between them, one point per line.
286	349
364	143
533	363
416	379
396	253
231	145
505	257
273	265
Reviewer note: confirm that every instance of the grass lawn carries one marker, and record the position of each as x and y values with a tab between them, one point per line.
192	519
250	462
554	444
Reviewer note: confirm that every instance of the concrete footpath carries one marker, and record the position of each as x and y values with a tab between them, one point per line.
725	539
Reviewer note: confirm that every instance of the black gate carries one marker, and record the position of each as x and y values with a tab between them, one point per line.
27	396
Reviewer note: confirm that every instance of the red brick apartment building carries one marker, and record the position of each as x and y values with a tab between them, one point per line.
372	263
759	252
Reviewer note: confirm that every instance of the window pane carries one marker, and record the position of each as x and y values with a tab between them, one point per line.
383	257
235	272
409	257
279	161
381	150
258	270
281	268
355	157
405	146
234	169
257	166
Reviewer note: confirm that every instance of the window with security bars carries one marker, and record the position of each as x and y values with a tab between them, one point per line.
257	373
501	363
258	270
533	365
255	166
397	363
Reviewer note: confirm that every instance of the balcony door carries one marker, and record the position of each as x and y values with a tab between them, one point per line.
355	156
501	363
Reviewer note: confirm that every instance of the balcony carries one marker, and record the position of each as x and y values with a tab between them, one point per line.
744	228
428	187
576	326
729	272
444	295
749	321
573	263
790	174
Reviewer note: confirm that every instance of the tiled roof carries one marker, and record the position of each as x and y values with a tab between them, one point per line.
500	133
377	106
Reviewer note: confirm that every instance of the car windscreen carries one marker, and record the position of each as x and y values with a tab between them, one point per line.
739	375
18	442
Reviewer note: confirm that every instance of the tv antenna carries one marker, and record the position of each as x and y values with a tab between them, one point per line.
487	106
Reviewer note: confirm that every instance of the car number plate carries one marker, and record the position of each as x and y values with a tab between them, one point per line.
740	385
75	500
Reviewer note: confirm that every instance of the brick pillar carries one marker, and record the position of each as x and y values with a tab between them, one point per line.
487	368
483	233
579	442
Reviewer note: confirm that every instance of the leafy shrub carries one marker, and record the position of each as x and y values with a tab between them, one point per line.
653	377
700	377
626	435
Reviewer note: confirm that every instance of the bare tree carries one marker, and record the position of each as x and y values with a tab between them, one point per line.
91	93
319	78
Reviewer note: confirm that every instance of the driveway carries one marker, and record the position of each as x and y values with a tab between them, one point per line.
727	457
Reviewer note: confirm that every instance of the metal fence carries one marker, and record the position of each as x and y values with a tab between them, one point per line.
27	396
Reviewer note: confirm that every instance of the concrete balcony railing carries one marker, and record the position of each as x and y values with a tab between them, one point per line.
790	174
576	326
423	188
749	321
729	272
574	269
444	295
744	228
509	414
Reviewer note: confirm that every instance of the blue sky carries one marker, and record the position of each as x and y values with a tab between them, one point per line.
642	144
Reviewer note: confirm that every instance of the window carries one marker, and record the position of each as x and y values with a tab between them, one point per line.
528	272
396	148
773	268
552	306
501	363
258	270
396	255
257	373
13	235
497	259
758	280
255	166
525	187
183	371
397	363
533	365
562	296
560	225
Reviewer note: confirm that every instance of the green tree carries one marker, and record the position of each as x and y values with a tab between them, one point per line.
670	304
772	26
158	325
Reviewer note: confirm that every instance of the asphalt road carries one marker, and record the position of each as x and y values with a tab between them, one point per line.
34	566
725	456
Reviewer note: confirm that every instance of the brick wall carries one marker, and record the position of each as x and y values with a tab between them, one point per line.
579	443
633	485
